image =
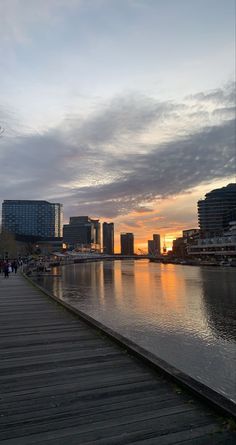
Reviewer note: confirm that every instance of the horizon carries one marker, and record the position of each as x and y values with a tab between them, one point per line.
139	247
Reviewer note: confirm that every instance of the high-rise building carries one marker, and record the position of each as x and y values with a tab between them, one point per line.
150	247
214	211
41	219
154	245
157	244
108	238
127	243
83	232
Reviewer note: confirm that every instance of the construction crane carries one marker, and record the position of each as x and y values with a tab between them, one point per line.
141	252
164	246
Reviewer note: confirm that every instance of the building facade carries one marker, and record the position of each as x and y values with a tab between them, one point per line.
215	211
150	247
154	246
127	243
215	247
82	232
108	238
40	219
157	244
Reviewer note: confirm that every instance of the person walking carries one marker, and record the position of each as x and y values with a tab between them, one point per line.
14	266
6	270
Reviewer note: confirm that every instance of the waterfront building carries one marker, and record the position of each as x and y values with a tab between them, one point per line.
179	248
157	244
180	245
150	247
82	232
190	235
154	246
40	219
215	211
215	247
108	238
127	243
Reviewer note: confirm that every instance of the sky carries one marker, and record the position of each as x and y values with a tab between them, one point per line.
122	110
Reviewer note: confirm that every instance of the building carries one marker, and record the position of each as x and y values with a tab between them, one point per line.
190	235
127	243
108	238
41	219
150	247
154	246
82	232
215	211
179	248
180	245
157	244
220	247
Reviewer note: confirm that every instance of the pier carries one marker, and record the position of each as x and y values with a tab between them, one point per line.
64	382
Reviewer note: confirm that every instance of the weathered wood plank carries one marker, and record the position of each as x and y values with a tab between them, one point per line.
64	383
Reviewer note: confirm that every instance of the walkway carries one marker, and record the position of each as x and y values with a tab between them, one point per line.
63	383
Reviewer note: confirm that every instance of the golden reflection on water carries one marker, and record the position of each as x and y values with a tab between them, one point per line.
174	311
160	292
165	295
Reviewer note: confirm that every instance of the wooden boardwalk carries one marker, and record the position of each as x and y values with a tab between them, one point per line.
63	383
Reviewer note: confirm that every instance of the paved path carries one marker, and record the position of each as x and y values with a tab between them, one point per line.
63	383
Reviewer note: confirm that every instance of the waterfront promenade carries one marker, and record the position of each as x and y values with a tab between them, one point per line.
64	383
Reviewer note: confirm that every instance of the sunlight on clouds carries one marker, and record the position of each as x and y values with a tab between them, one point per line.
116	122
168	217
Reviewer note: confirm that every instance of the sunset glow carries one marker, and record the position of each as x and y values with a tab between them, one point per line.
103	114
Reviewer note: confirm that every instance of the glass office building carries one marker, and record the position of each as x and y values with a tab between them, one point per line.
82	232
217	210
41	219
127	243
108	238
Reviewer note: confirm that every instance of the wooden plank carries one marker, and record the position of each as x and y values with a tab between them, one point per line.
88	429
75	401
62	382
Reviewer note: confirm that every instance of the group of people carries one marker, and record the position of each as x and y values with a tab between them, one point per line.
6	267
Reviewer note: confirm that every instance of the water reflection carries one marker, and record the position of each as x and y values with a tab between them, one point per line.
185	315
219	296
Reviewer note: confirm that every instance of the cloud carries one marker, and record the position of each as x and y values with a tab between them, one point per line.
226	95
124	115
166	170
121	158
19	17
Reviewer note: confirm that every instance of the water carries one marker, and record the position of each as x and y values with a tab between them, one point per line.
184	315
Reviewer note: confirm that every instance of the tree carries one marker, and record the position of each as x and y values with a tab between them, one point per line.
8	244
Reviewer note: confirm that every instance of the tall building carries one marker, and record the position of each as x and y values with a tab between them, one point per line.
127	243
83	232
108	238
41	219
154	245
157	244
215	211
150	247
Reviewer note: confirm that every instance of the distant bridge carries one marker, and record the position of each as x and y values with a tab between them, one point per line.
78	257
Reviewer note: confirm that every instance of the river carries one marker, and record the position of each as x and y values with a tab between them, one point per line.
185	315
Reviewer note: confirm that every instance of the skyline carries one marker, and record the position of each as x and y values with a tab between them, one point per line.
122	108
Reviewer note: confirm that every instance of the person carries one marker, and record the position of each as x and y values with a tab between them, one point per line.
14	266
6	269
